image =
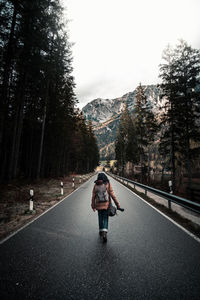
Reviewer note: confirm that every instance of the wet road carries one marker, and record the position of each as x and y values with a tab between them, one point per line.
60	256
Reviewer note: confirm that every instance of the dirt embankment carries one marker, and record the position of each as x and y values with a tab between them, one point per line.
15	196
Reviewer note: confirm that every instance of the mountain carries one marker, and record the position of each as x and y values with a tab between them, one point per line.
105	115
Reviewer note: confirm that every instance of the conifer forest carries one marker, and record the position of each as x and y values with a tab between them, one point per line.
42	134
170	135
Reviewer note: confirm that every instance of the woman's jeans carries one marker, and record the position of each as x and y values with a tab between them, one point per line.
103	220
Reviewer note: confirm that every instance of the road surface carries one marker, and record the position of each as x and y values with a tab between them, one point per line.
60	255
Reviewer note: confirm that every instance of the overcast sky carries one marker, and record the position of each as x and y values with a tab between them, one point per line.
119	43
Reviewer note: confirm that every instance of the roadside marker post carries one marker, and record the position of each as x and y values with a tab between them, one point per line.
61	188
171	192
73	184
170	186
31	200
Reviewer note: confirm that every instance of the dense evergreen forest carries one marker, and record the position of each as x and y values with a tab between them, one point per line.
42	134
170	135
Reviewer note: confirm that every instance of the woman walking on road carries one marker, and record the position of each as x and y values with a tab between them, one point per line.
101	194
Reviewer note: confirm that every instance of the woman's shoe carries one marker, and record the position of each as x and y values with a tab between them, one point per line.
104	236
100	233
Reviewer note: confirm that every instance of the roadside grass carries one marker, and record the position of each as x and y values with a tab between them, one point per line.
14	199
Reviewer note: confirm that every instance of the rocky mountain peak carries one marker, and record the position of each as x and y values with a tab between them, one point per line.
105	115
100	110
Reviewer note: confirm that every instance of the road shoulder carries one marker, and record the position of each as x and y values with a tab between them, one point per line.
187	224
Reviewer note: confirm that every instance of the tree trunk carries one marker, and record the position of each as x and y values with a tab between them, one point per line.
42	132
187	138
188	162
29	163
10	171
173	158
19	131
18	125
5	82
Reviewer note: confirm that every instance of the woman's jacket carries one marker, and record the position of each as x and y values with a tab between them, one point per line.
102	205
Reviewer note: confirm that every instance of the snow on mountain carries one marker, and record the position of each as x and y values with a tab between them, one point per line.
100	110
105	115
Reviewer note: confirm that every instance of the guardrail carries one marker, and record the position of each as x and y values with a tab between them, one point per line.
170	197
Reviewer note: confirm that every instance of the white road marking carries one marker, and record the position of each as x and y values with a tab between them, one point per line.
167	217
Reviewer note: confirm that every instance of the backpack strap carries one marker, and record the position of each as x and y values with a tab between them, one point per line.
109	192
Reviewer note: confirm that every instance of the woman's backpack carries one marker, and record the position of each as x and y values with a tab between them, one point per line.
101	193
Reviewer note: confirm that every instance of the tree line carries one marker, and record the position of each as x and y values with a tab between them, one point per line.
135	135
42	133
171	134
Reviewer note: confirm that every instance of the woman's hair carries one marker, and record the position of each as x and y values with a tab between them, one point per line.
102	177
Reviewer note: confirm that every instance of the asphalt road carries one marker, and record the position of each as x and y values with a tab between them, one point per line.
60	255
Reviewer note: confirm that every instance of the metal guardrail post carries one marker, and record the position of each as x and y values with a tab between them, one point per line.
169	204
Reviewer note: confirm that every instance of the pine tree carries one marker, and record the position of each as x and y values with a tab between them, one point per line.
94	151
168	143
126	141
38	121
187	74
179	123
146	127
86	153
120	149
8	21
140	121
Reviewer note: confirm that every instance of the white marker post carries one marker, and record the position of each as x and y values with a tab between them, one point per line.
73	184
171	192
80	179
61	188
170	186
31	200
